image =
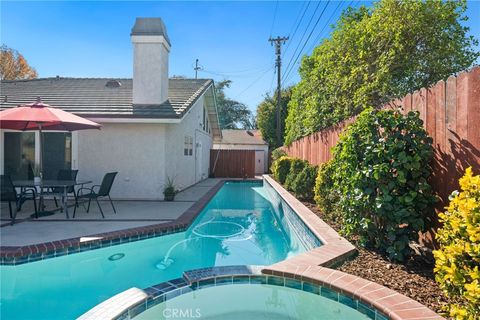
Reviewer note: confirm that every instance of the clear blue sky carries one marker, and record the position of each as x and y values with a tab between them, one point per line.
91	39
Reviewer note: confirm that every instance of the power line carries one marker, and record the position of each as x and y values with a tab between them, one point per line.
256	80
323	28
303	35
326	24
305	43
298	24
274	17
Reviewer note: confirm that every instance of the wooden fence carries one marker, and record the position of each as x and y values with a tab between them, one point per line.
232	163
450	111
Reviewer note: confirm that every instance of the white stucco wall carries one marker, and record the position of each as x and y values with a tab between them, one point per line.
150	69
136	151
188	170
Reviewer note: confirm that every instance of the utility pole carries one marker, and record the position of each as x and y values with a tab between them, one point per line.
196	68
278	63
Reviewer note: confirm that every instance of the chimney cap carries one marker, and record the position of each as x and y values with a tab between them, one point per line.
150	27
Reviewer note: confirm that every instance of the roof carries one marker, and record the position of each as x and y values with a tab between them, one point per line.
93	98
235	136
150	27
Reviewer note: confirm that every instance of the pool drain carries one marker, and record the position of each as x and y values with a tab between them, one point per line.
116	256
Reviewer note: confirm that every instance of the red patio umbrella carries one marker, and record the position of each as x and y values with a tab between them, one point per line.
40	116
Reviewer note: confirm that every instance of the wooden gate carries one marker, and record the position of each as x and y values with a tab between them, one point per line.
232	163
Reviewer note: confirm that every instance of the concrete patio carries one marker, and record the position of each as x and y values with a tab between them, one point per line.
130	214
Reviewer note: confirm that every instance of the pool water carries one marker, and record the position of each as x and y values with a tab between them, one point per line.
242	224
252	302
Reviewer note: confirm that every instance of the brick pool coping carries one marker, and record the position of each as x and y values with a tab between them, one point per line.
334	248
14	255
393	304
373	300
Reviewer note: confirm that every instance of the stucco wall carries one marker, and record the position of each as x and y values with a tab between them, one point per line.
188	170
136	151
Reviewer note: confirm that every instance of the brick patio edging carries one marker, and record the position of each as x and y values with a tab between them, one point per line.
14	255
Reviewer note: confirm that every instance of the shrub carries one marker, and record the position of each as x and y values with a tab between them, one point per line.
381	168
277	153
280	168
304	183
458	259
296	167
326	196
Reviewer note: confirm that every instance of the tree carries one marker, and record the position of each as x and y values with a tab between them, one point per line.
13	65
267	117
232	114
377	54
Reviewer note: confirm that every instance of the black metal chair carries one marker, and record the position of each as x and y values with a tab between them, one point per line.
9	194
103	191
65	174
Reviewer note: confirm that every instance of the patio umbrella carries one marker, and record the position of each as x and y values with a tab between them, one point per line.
41	117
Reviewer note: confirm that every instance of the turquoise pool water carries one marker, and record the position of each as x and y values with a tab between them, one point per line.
244	223
258	302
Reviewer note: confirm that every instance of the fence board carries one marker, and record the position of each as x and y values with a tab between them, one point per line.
451	114
232	163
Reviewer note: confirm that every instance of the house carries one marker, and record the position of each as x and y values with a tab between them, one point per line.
245	140
153	127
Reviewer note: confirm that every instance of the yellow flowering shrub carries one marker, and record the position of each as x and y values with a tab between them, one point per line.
458	259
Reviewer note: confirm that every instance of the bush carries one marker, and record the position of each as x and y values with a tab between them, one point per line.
277	153
326	196
280	168
296	167
304	183
381	168
458	259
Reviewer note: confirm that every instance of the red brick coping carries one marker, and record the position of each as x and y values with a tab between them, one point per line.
13	255
334	249
311	266
393	304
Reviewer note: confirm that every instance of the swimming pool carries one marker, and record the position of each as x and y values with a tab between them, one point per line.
243	224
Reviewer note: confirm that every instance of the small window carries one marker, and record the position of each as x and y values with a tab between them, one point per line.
188	146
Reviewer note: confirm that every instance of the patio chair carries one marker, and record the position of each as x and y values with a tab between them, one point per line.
9	194
103	191
65	174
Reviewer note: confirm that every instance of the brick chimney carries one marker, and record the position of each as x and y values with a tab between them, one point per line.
151	47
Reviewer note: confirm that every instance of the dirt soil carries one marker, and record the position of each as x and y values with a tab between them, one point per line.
413	278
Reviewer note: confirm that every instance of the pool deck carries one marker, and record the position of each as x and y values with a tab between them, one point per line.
133	220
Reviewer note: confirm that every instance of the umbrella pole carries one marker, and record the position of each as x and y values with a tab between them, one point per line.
40	145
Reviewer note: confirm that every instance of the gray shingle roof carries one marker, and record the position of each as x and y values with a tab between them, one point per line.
92	98
236	136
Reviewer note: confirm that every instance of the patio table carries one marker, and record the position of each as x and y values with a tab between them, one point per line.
64	184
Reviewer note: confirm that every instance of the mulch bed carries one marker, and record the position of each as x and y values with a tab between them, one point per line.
413	278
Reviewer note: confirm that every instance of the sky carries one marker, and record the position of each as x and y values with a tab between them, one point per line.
230	39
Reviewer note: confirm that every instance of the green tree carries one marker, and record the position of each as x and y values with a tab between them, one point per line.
13	65
267	117
376	54
232	114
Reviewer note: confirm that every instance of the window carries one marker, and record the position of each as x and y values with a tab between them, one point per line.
204	120
19	154
19	151
188	146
